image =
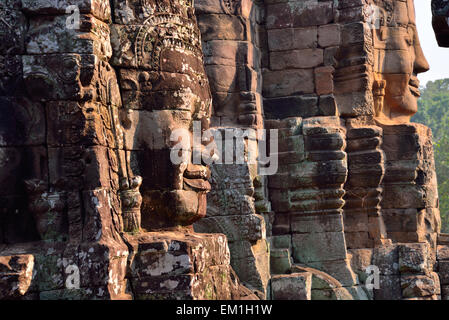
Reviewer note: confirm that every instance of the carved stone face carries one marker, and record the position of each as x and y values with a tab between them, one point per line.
164	88
398	59
173	194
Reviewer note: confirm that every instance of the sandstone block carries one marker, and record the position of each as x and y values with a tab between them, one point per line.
230	202
93	37
355	220
283	241
389	288
413	258
316	223
296	286
330	56
443	272
281	225
322	125
292	143
232	79
405	220
443	252
176	207
403	197
67	167
309	174
278	16
293	106
290	157
320	13
358	240
311	247
325	142
281	15
296	59
327	106
324	80
99	8
231	226
418	286
254	269
351	14
287	82
331	294
231	53
174	254
207	6
386	258
280	262
329	35
290	39
103	265
354	33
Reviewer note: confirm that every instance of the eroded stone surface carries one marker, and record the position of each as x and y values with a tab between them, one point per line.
88	186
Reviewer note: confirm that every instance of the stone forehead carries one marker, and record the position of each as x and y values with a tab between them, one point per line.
394	13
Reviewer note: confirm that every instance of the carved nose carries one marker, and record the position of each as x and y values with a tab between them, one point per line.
421	64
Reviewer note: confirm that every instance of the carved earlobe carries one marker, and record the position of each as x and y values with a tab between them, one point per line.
379	95
131	202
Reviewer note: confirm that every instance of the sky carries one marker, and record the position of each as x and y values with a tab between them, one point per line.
438	57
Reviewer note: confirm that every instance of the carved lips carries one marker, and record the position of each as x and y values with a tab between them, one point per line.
196	177
414	86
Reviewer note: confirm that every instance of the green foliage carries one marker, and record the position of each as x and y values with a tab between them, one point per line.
433	111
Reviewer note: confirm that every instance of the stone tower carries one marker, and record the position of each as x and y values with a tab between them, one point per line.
95	96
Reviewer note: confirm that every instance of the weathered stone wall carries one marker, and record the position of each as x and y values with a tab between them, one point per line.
71	189
307	196
302	38
326	64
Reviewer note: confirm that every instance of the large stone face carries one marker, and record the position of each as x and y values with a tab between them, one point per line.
398	59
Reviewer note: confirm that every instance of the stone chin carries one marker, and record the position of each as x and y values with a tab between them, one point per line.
401	99
405	105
